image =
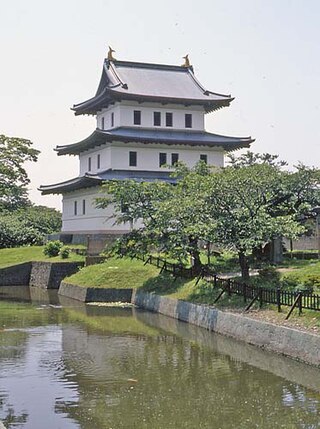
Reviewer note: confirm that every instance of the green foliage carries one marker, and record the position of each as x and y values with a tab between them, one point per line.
28	225
250	158
268	277
14	152
52	248
64	253
241	207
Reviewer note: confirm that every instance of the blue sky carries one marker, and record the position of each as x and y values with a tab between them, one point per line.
264	52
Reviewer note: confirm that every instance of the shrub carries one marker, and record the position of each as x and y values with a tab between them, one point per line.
64	253
295	283
267	277
52	248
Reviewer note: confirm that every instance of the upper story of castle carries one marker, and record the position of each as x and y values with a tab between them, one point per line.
149	117
150	95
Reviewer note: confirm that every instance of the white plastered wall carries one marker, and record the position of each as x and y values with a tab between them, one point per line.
123	116
117	156
94	220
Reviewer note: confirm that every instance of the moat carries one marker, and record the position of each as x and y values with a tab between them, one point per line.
68	365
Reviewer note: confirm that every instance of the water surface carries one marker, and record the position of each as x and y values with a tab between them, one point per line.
68	365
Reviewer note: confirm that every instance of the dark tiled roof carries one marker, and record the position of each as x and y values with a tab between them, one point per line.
124	80
146	135
90	180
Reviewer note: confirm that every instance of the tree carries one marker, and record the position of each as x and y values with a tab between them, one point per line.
28	225
169	220
243	206
14	152
244	209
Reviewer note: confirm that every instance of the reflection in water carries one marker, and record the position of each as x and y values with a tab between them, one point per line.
94	368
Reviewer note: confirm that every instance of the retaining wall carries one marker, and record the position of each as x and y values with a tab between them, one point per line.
17	275
287	341
48	275
299	345
90	294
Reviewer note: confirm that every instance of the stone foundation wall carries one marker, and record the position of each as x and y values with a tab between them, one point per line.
49	275
289	342
17	275
89	294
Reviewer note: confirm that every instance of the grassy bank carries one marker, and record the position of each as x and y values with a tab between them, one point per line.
118	273
19	255
127	273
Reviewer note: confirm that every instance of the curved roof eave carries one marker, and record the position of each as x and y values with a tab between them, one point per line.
85	181
127	135
93	105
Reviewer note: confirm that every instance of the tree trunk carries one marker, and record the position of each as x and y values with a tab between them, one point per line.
276	255
195	255
244	265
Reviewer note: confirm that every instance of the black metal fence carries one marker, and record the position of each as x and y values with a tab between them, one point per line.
277	296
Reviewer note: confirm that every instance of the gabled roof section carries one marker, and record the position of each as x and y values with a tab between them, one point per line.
91	180
148	135
124	80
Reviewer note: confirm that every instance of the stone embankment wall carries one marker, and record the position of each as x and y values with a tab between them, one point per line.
17	275
289	342
90	294
49	275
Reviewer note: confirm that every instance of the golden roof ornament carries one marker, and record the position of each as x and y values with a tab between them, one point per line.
110	56
186	61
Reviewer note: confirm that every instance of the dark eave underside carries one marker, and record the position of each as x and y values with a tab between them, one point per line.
144	135
92	180
103	101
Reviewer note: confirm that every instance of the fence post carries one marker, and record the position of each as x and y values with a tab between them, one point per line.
229	287
300	304
215	280
278	299
244	292
260	297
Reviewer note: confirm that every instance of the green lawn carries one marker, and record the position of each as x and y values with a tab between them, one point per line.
19	255
118	273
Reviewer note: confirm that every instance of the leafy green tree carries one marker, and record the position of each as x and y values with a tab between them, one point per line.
14	152
250	158
28	225
243	209
166	211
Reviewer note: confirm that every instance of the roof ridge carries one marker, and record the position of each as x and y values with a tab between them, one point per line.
138	64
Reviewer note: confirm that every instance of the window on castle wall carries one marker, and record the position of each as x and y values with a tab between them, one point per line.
204	158
188	120
112	119
102	123
137	117
162	159
174	158
75	208
169	119
89	163
157	119
132	159
98	161
83	207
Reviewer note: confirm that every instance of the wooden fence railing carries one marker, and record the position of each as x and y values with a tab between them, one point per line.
277	296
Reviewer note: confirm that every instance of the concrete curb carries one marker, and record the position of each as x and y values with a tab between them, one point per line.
290	342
